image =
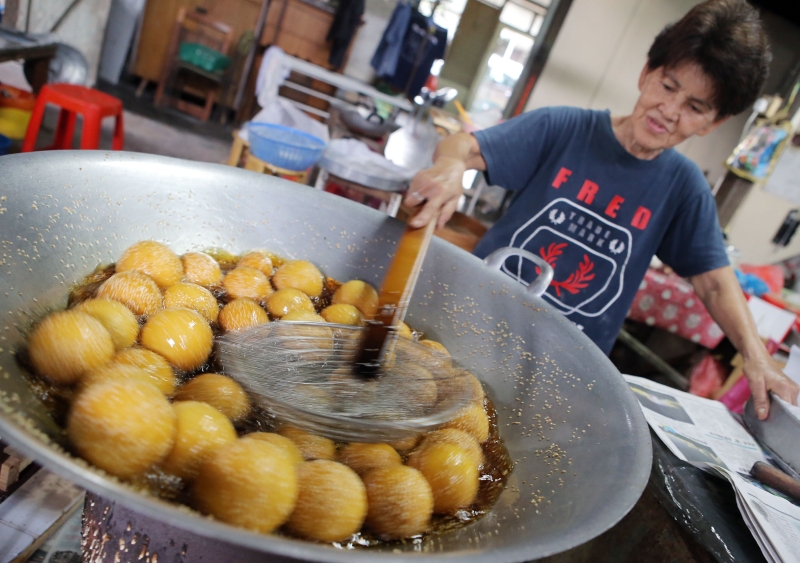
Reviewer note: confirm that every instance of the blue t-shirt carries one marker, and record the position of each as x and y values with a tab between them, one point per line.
596	213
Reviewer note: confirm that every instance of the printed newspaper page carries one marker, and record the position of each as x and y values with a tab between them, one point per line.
696	430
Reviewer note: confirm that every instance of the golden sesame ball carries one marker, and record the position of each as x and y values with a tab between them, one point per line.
406	444
192	296
219	391
399	501
342	314
202	269
257	260
119	321
458	438
358	294
414	385
201	430
435	346
182	336
247	483
313	343
299	274
242	313
310	445
115	372
122	427
284	301
331	504
452	474
161	374
136	291
305	316
405	331
67	344
363	457
280	441
473	420
225	258
152	259
247	282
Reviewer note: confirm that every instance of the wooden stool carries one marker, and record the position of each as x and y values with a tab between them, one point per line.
73	100
238	148
258	165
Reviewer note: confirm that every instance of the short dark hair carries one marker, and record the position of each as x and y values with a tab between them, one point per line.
726	39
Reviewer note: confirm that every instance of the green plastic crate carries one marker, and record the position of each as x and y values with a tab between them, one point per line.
204	57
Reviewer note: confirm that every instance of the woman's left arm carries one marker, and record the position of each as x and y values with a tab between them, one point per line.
720	292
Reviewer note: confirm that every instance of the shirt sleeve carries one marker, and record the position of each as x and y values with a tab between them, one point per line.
513	150
693	243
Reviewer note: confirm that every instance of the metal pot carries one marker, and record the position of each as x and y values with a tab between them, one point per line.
570	423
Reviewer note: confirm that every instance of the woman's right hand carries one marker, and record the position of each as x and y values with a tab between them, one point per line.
439	187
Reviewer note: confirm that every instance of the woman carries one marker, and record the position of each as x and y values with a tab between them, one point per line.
599	195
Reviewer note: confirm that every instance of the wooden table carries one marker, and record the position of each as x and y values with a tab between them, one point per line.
15	46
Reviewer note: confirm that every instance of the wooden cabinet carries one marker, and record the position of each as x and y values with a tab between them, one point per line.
159	21
299	28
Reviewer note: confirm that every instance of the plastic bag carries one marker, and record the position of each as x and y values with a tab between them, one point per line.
757	154
707	377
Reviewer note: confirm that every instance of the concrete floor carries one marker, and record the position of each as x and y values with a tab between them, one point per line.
148	129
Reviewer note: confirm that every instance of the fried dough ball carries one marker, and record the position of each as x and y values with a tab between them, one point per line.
364	457
305	316
299	274
458	438
414	385
136	291
122	427
161	374
192	296
342	314
242	313
258	261
182	336
359	294
248	483
226	259
314	342
310	445
119	321
473	420
201	269
405	444
67	344
247	282
405	331
280	441
115	372
435	346
201	430
399	501
152	259
284	301
219	391
452	474
332	502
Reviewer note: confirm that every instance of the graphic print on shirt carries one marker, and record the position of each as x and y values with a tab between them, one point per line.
587	252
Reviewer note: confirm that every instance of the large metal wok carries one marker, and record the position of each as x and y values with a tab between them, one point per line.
572	427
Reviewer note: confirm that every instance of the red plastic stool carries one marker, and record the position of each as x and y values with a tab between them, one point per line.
74	100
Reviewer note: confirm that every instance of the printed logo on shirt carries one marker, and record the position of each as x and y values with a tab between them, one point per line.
587	252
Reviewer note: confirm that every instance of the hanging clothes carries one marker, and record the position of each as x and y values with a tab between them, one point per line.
344	27
424	42
384	61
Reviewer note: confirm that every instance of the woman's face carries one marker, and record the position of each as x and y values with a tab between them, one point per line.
673	105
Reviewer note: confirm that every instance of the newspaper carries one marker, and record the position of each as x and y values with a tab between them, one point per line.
705	433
